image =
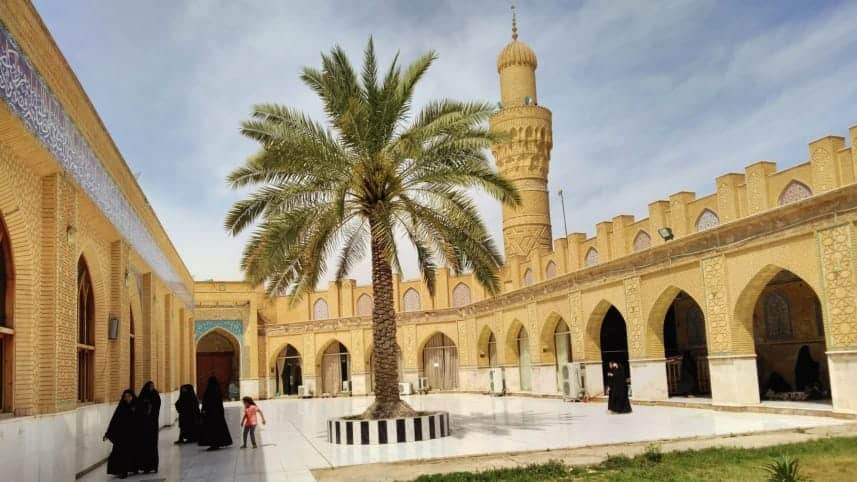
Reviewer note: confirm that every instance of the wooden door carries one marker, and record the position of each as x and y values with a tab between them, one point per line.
220	364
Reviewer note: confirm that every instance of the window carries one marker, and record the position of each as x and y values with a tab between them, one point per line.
411	300
460	295
642	241
364	305
85	333
591	258
550	270
319	310
528	277
7	281
778	323
795	191
707	220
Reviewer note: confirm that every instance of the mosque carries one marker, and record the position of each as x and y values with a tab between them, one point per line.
744	294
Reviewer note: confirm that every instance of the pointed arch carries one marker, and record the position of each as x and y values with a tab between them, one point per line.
486	348
592	341
461	295
642	241
528	279
365	305
411	300
85	333
288	369
334	363
546	336
510	348
742	338
213	359
550	270
591	258
320	310
439	361
707	219
794	192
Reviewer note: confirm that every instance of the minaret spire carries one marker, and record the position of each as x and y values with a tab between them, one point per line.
514	24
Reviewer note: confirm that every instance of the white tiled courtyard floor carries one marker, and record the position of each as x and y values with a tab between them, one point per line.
295	439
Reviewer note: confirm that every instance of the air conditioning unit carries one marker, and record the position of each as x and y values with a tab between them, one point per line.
346	387
424	385
573	378
304	391
497	383
405	388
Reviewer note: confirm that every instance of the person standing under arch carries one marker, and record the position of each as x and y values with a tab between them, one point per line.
617	381
214	433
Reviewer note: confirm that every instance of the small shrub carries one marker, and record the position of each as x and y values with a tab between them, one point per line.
784	469
617	462
653	454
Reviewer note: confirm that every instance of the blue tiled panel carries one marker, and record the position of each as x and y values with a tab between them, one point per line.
28	96
232	326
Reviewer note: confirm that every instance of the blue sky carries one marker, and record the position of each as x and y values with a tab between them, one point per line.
649	98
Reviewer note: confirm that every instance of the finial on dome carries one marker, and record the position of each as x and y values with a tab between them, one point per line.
514	24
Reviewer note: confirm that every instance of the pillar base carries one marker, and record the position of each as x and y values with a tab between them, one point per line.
734	379
842	366
649	379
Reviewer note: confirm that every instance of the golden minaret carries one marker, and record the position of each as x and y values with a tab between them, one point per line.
525	156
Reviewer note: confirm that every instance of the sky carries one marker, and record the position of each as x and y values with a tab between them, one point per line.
648	98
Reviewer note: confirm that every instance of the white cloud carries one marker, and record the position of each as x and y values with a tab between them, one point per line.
648	99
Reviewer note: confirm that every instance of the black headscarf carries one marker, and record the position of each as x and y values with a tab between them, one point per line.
212	401
187	398
122	423
121	432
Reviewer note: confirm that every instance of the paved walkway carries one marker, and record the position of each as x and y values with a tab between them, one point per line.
295	439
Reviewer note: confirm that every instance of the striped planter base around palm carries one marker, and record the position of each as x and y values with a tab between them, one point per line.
389	431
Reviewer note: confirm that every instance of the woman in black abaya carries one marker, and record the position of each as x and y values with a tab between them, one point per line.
806	370
148	412
187	407
120	432
618	401
214	432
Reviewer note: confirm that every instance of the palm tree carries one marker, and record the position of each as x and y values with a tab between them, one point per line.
373	176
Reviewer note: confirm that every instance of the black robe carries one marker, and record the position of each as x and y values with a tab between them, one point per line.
618	401
214	432
187	407
121	433
148	414
806	370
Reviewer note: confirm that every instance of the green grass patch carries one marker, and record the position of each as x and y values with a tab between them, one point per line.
819	460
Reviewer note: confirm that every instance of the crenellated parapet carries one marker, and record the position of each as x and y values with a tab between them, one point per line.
759	189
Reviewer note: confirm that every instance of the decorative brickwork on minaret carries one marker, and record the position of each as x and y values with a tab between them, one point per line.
524	157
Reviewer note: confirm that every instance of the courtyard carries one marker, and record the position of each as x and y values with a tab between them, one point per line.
294	441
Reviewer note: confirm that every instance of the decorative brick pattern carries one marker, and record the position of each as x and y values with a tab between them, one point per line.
794	192
642	241
707	220
550	270
319	310
716	304
838	254
460	295
634	318
365	305
411	300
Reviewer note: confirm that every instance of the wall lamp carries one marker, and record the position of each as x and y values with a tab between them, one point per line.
70	233
666	233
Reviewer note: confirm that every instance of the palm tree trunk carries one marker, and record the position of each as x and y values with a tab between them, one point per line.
385	360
